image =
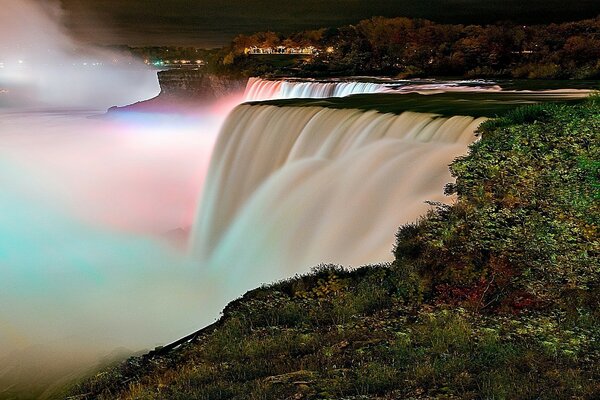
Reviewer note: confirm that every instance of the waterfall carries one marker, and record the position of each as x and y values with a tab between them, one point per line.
262	89
291	187
259	89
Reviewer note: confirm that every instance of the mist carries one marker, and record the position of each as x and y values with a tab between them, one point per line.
42	66
94	208
94	215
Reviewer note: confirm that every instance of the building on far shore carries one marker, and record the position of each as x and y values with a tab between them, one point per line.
182	63
309	50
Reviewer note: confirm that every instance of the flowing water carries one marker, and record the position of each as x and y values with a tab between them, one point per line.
263	89
259	89
292	187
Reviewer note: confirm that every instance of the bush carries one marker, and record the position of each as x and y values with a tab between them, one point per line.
538	71
526	224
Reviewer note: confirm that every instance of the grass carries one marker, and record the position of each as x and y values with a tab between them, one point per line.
489	105
396	352
494	297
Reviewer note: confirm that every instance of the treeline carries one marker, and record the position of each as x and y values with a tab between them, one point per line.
406	47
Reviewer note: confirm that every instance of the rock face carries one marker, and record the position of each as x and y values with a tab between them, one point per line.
198	85
182	90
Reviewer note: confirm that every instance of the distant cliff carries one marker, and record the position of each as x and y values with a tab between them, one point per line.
185	88
196	84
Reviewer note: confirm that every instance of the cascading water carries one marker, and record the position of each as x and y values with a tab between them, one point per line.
259	89
292	187
262	89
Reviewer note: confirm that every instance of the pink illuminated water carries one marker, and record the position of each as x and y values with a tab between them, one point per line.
131	173
93	221
93	209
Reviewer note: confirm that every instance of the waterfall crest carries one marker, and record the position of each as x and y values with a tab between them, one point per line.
263	89
291	187
259	89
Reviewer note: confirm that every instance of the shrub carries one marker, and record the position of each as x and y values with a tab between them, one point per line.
526	223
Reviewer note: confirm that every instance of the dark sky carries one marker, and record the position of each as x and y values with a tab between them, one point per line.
210	23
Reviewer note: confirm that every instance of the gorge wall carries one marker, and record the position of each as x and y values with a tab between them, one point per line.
186	89
197	84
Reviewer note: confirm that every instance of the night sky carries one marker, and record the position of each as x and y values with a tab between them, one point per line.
209	23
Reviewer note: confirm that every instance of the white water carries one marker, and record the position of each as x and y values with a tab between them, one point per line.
262	89
289	188
259	89
86	261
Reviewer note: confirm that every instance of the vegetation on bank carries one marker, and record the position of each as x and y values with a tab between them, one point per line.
496	296
403	48
409	48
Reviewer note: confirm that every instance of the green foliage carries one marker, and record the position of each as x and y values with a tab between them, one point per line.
435	353
538	71
522	115
526	225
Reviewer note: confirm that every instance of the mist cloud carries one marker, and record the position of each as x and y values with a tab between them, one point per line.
41	65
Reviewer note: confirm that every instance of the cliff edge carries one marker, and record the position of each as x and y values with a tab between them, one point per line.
182	90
